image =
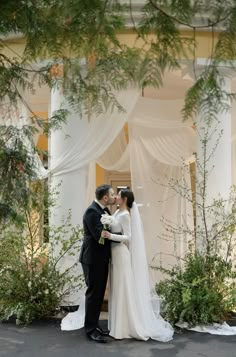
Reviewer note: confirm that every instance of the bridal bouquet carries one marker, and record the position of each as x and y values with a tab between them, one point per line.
106	220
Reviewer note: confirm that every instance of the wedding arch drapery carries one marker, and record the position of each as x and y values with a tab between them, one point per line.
116	157
159	142
155	133
91	135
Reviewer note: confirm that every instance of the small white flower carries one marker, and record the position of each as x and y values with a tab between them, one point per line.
29	284
46	292
106	219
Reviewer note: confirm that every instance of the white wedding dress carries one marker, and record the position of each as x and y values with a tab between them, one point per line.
124	320
131	310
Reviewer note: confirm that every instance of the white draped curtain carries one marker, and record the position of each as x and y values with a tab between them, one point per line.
87	138
116	157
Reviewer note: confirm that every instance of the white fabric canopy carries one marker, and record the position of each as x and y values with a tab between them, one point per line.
96	134
116	157
159	143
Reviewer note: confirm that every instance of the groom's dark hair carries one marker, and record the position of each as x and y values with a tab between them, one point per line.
101	191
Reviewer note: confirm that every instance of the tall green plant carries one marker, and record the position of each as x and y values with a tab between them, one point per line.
32	283
202	291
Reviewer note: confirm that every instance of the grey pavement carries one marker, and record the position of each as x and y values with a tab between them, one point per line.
45	339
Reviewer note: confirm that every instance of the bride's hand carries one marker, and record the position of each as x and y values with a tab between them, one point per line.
105	234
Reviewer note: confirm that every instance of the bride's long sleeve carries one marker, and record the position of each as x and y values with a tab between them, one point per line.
125	235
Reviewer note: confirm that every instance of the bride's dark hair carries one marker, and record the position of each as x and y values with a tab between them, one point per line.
129	195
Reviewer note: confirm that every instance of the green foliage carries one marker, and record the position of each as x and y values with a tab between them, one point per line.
164	18
203	291
66	33
32	281
83	38
73	33
167	46
17	168
93	88
55	122
206	97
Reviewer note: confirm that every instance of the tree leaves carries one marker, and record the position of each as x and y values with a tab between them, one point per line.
70	32
206	97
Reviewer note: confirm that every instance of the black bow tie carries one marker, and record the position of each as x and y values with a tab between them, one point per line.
107	210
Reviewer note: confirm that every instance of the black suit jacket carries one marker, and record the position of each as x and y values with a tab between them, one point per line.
91	251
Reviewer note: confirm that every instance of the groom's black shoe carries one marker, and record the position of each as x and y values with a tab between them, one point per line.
96	337
102	331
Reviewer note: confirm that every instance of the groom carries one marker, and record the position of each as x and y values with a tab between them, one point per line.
94	258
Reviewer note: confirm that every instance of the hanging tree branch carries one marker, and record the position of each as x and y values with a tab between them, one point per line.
210	24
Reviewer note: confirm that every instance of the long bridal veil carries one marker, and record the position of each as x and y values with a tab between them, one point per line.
148	302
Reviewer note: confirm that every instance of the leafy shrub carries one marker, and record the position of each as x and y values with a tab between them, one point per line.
201	292
33	280
33	277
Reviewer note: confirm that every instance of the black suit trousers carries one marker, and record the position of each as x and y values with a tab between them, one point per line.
96	280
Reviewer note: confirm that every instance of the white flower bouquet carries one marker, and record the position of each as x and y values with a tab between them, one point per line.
106	220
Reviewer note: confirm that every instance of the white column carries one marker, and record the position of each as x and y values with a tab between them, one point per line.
71	186
74	183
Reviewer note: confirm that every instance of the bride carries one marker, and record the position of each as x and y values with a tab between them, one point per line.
133	306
